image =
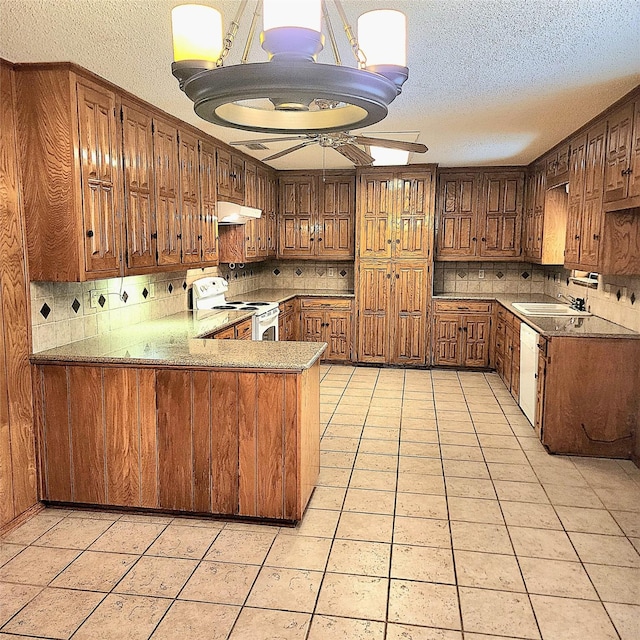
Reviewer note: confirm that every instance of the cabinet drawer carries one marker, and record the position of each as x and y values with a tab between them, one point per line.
287	307
463	306
226	334
325	303
243	330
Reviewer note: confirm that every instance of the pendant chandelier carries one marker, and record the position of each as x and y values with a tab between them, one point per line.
291	92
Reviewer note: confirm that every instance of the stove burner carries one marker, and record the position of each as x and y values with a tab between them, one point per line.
249	308
224	306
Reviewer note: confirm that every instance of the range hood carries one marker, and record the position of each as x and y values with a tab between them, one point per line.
231	213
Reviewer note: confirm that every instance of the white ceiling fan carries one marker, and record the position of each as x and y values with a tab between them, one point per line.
344	143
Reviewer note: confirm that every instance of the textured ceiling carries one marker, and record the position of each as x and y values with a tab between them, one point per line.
491	81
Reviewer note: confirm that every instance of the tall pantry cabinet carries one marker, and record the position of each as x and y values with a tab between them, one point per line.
395	256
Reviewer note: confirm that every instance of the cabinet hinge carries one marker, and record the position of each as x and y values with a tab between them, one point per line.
121	114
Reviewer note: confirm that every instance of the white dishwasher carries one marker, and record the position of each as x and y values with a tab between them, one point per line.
528	371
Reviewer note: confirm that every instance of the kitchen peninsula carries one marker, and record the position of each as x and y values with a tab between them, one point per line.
156	417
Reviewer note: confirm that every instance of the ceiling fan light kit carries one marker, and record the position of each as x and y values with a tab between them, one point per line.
292	92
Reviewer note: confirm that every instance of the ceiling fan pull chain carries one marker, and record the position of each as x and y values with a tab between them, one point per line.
361	59
332	36
252	32
231	34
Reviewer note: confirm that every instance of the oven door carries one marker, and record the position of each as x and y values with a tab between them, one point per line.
265	326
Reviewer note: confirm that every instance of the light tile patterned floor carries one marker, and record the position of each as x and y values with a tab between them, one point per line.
438	516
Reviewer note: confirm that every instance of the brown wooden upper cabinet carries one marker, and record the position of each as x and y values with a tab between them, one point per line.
395	214
139	186
72	191
256	239
557	165
231	179
208	199
316	216
480	214
111	187
622	168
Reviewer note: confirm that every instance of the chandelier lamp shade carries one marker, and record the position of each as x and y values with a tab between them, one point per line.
289	92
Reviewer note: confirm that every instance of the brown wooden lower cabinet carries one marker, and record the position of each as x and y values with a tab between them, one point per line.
506	354
238	331
288	320
328	320
588	399
461	334
223	442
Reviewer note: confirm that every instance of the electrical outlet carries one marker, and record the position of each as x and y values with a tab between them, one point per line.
152	290
94	296
481	274
331	272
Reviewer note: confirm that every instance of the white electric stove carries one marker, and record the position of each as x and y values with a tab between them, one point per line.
209	293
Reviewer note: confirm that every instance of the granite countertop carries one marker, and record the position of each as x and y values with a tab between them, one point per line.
573	326
282	295
176	341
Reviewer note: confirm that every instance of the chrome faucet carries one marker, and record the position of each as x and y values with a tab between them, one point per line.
579	304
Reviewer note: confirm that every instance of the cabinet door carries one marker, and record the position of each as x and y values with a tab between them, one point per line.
502	212
409	289
237	179
208	198
447	338
189	200
576	196
634	162
99	161
457	214
251	228
312	328
338	336
336	217
223	170
528	220
137	156
592	213
373	311
272	224
262	199
297	217
165	151
618	153
376	207
475	336
413	217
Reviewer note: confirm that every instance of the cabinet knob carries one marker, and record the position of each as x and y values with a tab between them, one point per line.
89	234
388	276
397	241
319	239
596	236
179	236
474	239
483	239
388	241
577	237
397	276
311	239
199	237
628	171
154	236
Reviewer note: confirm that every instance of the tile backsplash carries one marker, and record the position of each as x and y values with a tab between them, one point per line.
617	298
61	312
488	277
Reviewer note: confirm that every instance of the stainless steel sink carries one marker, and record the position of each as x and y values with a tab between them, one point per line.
547	309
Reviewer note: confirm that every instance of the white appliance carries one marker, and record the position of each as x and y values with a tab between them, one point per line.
528	371
209	293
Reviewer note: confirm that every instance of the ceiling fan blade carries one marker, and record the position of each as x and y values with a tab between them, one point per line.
415	147
237	143
359	157
289	150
